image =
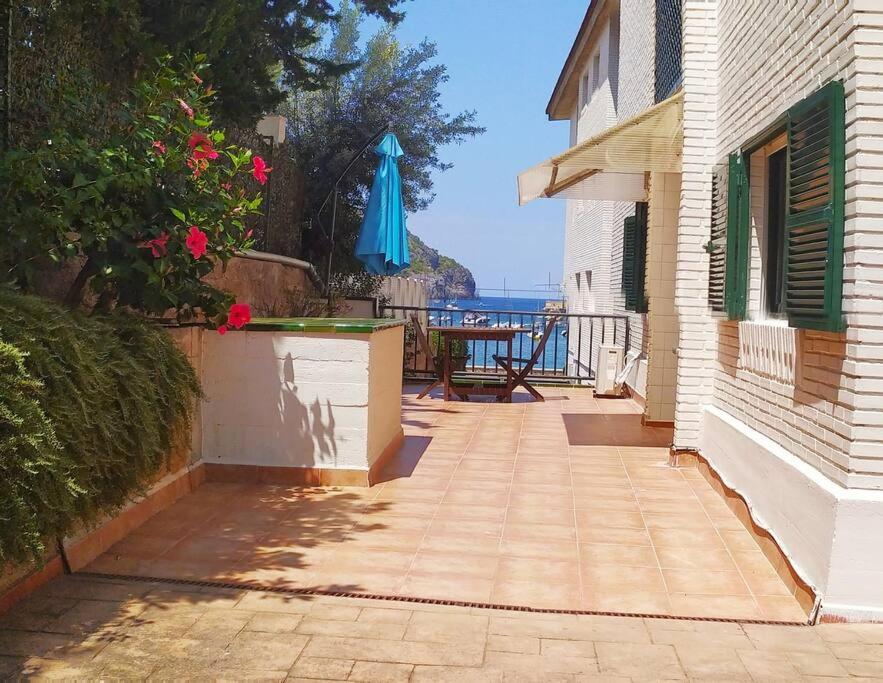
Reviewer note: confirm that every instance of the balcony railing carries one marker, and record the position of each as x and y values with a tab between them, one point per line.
570	354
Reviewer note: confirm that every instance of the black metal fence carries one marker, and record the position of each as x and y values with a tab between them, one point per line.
570	354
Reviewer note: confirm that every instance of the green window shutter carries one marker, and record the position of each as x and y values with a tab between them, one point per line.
814	220
737	239
640	269
634	259
717	244
629	240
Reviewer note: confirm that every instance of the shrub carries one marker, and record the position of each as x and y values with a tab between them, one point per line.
115	399
148	210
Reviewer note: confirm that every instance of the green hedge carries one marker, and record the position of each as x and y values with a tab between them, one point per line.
90	410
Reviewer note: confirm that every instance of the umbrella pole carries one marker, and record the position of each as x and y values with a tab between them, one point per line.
331	256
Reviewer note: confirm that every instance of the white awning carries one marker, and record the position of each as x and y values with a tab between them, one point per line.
612	165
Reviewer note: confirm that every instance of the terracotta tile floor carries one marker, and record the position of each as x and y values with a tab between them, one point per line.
566	504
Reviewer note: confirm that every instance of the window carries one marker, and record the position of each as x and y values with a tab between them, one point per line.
584	88
669	75
773	263
802	272
634	259
596	72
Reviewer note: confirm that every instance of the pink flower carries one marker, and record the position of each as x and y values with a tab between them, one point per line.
260	170
196	79
201	147
187	109
222	330
157	245
196	241
239	315
227	186
159	147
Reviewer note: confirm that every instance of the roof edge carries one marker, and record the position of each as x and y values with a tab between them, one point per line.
582	35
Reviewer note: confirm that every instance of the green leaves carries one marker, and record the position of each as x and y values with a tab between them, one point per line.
123	205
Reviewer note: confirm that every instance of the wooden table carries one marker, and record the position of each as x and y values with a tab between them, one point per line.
496	334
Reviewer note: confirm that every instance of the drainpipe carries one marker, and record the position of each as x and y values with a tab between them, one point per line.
286	261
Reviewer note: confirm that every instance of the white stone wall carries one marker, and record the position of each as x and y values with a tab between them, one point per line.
295	399
772	55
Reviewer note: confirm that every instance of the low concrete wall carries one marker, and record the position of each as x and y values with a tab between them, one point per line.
829	533
300	407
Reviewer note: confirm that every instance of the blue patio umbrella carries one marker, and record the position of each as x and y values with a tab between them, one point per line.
383	241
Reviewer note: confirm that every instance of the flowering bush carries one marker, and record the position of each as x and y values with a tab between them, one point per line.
147	212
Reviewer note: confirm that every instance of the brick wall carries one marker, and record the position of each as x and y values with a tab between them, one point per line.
772	55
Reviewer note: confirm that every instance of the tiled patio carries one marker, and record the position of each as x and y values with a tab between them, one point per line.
567	504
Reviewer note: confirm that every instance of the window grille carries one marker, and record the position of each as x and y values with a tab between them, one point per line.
668	48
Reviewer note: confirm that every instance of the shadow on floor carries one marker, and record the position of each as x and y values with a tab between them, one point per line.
612	430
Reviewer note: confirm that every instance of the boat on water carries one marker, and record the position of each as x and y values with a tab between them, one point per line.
475	319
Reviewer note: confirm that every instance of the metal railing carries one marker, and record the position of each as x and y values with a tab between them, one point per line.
570	354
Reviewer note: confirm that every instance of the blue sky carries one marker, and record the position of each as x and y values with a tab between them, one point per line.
503	58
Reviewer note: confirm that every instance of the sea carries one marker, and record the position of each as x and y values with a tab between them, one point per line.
498	311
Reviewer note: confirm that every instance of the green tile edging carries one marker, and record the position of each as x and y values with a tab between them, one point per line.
328	325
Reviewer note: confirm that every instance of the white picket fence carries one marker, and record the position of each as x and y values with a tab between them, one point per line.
403	291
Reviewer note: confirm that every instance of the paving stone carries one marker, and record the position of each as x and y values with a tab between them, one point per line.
386	616
271	602
273	651
768	666
271	622
403	652
331	612
785	638
351	629
38	668
520	644
507	661
567	648
455	674
639	660
446	628
381	672
711	662
322	667
219	624
817	664
595	629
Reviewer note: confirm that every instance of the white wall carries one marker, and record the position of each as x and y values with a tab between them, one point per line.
593	229
294	399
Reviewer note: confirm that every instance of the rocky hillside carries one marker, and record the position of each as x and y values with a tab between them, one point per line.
444	277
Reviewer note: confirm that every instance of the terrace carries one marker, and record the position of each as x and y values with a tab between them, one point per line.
564	505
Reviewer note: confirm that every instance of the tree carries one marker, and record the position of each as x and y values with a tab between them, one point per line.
392	83
256	48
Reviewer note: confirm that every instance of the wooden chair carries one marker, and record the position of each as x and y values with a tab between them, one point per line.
431	361
519	377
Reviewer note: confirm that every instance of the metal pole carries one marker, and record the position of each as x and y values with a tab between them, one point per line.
331	255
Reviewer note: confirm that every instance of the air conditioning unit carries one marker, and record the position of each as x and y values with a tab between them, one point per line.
609	366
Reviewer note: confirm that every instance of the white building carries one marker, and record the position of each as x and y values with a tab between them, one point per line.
758	150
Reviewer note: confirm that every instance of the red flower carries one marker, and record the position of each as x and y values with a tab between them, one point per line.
260	170
201	147
222	330
159	147
196	79
239	315
186	108
196	241
227	186
157	245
